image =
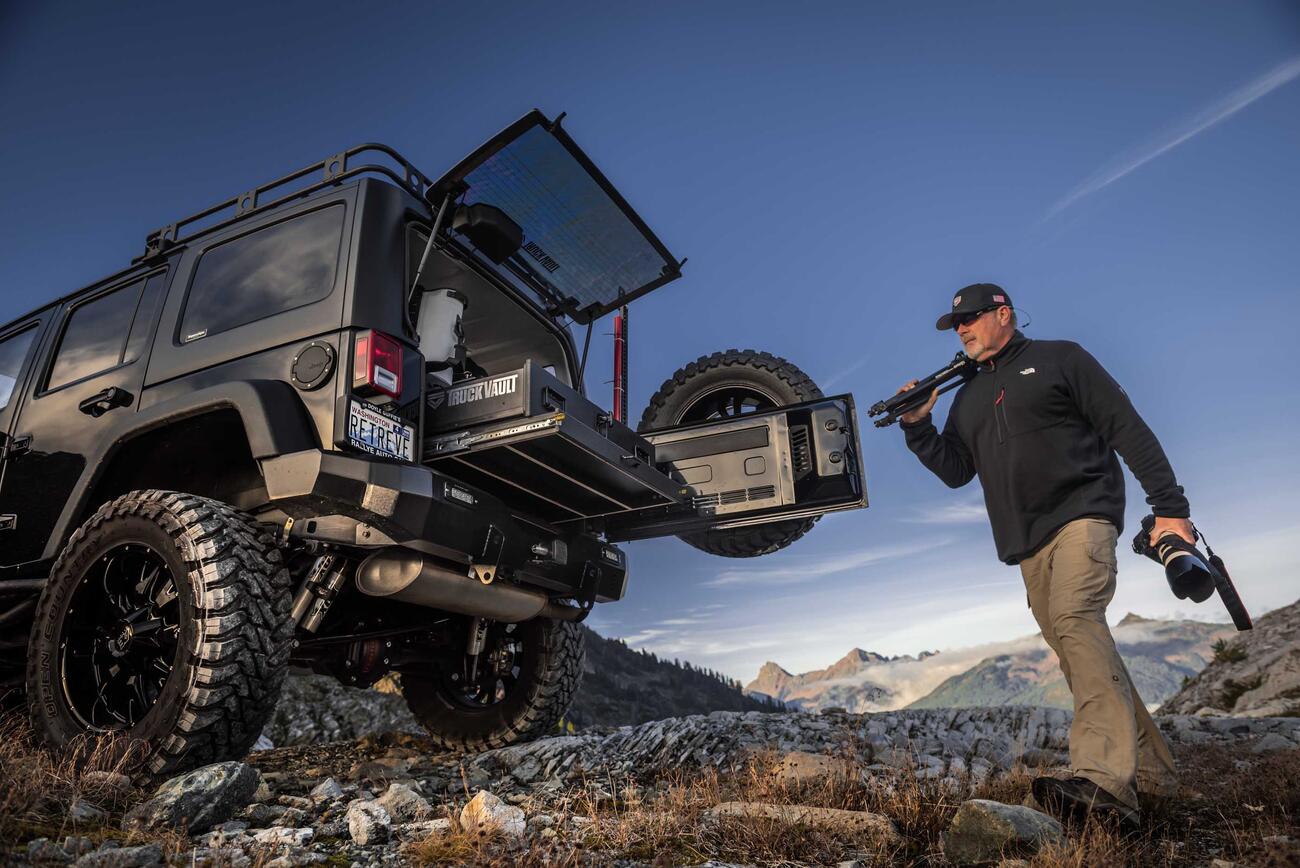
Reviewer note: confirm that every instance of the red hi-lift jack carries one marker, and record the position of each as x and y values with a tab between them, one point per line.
620	365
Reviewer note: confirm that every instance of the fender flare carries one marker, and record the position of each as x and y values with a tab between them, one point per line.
274	418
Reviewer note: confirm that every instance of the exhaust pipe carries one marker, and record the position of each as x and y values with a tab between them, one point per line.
400	574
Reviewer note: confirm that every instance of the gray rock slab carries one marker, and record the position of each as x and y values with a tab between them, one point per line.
198	800
369	823
143	856
404	804
874	826
984	831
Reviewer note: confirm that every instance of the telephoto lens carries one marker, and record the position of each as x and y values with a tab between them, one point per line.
1190	574
1187	572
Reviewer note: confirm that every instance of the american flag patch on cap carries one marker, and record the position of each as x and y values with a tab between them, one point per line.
1000	298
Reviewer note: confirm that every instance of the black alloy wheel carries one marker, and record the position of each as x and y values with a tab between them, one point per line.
527	676
120	637
726	402
165	621
484	682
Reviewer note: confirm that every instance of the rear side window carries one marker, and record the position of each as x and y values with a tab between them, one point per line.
95	336
278	268
13	352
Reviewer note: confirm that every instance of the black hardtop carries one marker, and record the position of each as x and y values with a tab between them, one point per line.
585	250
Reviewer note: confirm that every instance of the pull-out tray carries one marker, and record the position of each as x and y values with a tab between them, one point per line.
543	447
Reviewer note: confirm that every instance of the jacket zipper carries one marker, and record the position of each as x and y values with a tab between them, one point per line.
1000	414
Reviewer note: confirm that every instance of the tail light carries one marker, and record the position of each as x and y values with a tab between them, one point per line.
377	365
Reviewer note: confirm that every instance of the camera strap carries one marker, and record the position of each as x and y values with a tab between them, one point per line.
1227	590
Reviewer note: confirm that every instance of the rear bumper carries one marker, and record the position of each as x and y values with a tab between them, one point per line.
354	501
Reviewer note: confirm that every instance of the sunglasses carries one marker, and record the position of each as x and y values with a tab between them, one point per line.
965	319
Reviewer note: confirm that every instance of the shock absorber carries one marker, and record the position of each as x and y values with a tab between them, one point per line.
318	591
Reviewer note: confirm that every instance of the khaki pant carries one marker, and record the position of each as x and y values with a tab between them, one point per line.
1113	741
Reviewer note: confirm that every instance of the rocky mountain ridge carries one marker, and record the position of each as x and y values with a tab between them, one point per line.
1161	654
843	684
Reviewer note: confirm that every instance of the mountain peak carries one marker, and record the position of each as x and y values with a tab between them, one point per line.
772	668
1132	618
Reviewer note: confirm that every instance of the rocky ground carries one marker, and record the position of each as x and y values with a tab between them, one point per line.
1254	674
913	787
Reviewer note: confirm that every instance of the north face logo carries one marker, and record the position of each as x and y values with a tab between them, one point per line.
1028	371
956	301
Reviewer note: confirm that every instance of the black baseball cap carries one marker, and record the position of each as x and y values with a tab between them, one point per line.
973	299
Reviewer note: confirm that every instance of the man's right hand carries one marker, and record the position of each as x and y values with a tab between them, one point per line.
914	416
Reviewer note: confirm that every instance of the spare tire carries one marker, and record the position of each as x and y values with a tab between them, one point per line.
721	386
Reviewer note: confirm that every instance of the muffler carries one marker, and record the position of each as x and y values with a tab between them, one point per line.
401	574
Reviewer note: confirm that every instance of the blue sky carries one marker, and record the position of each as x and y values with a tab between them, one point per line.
1128	172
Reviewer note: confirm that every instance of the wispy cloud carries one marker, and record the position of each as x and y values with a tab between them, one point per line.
830	381
962	512
804	569
1213	114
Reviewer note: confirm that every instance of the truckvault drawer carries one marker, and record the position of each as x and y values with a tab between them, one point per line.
540	445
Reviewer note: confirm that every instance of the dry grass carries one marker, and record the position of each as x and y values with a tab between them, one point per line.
39	787
665	822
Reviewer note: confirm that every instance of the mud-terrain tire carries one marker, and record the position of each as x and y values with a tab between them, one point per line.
215	598
684	398
550	669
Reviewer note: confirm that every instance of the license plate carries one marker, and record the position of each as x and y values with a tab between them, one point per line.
379	433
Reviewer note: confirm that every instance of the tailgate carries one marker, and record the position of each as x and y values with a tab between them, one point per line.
796	461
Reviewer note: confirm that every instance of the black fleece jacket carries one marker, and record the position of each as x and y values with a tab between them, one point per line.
1040	424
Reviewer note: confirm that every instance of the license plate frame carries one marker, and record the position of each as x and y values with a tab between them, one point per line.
378	432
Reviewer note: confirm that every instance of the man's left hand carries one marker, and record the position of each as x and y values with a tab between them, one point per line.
1180	526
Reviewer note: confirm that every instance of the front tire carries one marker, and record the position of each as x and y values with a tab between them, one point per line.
165	619
532	691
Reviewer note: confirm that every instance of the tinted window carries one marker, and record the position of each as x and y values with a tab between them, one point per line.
283	266
144	316
94	336
13	351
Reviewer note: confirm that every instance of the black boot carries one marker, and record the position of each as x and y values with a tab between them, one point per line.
1075	798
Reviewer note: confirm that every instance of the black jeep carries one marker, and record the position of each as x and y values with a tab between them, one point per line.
338	421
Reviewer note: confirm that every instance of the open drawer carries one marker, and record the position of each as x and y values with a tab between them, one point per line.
791	462
543	448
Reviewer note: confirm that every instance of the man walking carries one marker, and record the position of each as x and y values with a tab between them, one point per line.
1040	424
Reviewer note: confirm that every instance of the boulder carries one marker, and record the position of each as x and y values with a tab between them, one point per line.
326	790
485	811
857	823
144	856
198	800
422	829
984	831
317	708
369	822
404	804
280	837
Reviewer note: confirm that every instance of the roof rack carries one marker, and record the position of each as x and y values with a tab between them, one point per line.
333	170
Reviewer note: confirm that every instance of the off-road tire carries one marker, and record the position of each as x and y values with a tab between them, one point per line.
773	375
549	678
234	631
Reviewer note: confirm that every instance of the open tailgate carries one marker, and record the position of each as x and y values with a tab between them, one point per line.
795	461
